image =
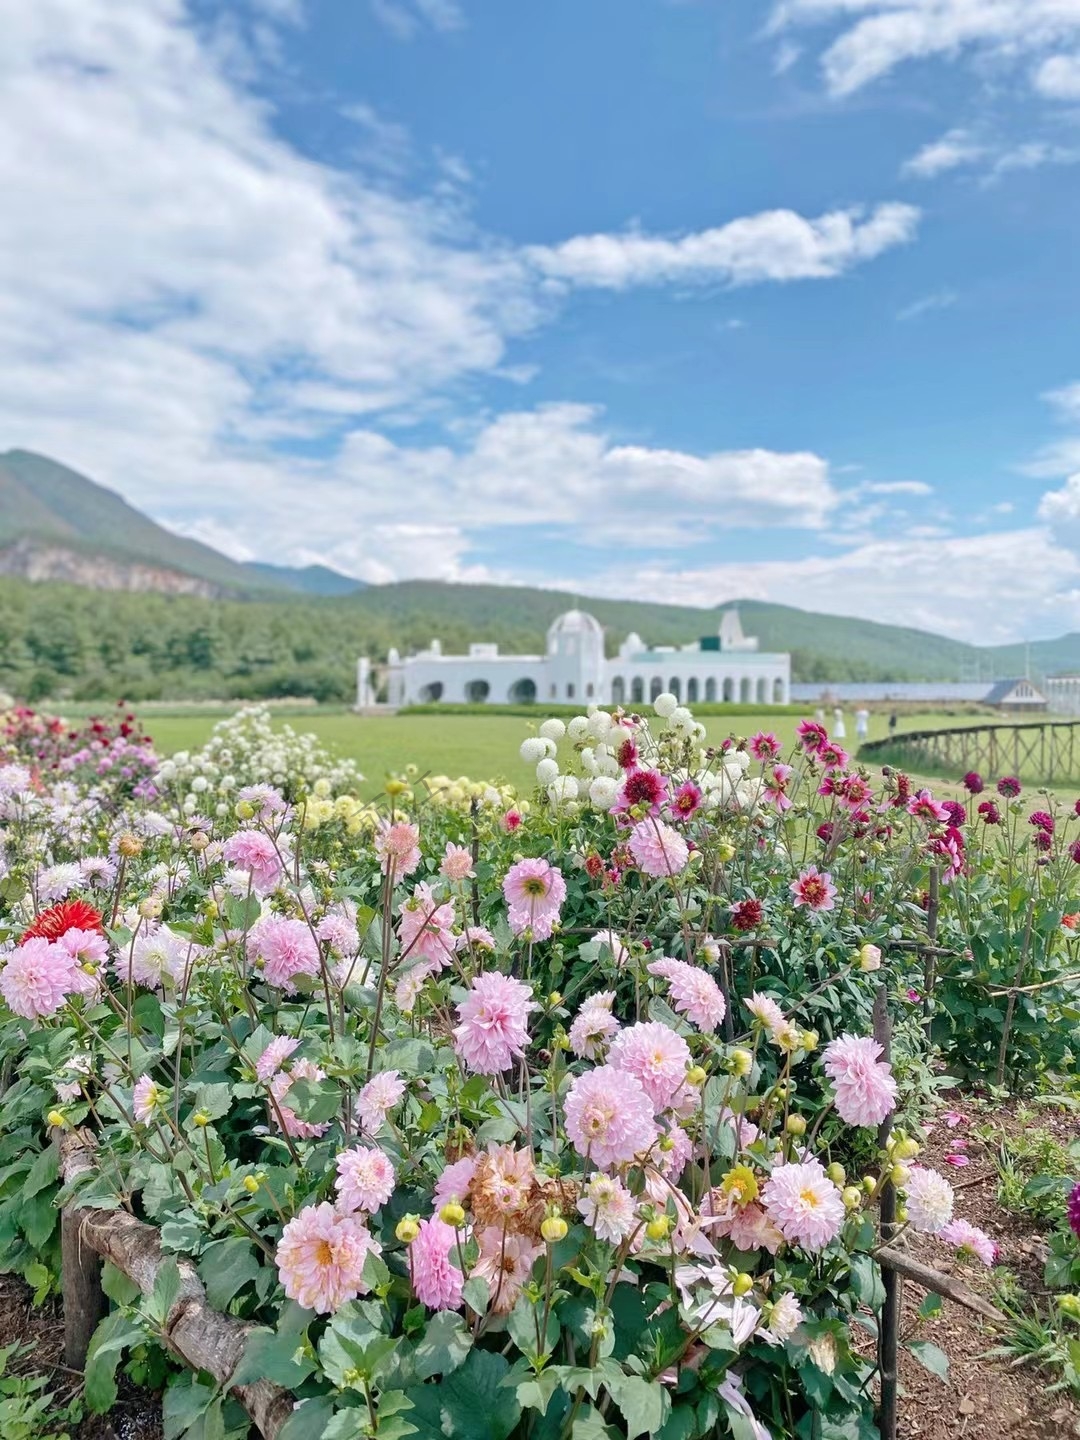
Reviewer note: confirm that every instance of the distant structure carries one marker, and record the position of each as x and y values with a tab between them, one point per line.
1063	694
1016	697
726	666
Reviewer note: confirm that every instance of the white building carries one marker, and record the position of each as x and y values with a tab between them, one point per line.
574	670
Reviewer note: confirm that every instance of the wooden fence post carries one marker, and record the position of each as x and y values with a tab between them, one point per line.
80	1284
933	905
889	1328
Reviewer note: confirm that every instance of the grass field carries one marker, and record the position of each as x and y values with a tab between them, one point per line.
477	745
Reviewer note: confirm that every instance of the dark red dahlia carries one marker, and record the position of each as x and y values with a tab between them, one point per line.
747	914
594	866
957	812
59	919
974	783
1042	821
1041	840
627	754
990	812
1009	786
1074	1210
1074	851
643	787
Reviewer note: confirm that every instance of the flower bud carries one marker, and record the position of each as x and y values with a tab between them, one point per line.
129	845
742	1283
251	1185
795	1125
869	1184
199	841
200	1118
809	1039
453	1214
151	907
1069	1305
837	1174
395	787
868	958
555	998
211	909
741	1062
407	1229
244	810
666	1143
554	1228
725	852
852	1197
696	1075
906	1149
658	1228
899	1174
56	1119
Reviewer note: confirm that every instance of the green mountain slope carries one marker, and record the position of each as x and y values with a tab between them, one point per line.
307	579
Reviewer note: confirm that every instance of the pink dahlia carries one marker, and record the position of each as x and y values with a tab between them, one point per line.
969	1241
658	849
609	1117
145	1099
812	736
255	852
425	930
436	1280
814	889
766	1011
924	807
505	1262
593	1025
321	1255
534	891
493	1024
86	947
608	1207
37	978
285	948
657	1058
274	1056
804	1204
764	745
454	1182
398	848
694	993
928	1200
865	1088
457	863
377	1098
365	1179
686	801
282	1115
776	783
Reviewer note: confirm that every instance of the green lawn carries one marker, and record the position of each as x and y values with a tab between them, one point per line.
480	746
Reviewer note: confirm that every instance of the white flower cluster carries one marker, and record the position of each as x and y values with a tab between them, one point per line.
246	749
598	740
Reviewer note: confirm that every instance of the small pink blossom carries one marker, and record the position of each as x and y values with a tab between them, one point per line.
457	863
505	1261
804	1204
274	1056
145	1099
776	786
436	1280
454	1182
608	1207
924	807
493	1027
814	888
398	848
37	978
658	850
365	1179
694	993
255	852
534	891
609	1117
865	1090
425	930
657	1058
286	950
969	1240
764	745
320	1258
593	1025
377	1098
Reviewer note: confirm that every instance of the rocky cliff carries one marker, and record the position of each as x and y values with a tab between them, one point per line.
30	559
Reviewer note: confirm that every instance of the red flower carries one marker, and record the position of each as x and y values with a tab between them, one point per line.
747	914
51	924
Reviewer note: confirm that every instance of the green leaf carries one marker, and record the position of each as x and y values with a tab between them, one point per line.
309	1421
117	1286
38	1217
590	1425
225	1268
282	1357
115	1333
44	1171
215	1100
166	1292
644	1404
184	1402
931	1357
930	1307
535	1392
444	1346
315	1101
866	1282
470	1404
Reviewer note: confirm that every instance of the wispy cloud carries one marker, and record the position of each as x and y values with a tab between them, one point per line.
938	300
404	18
955	148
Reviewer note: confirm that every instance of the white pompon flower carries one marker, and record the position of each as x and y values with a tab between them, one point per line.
547	771
665	704
602	792
562	790
578	728
600	723
532	750
553	729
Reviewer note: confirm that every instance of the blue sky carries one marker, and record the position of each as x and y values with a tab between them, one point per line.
684	301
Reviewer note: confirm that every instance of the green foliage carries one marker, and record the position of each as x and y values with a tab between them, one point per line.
28	1410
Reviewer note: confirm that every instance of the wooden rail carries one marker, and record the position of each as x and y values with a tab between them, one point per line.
1040	750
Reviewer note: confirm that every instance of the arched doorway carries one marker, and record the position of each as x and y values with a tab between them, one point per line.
656	687
477	691
675	687
729	690
618	690
778	691
637	690
691	691
523	691
710	689
431	694
762	691
745	690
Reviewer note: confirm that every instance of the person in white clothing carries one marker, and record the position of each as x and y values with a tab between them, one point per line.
838	729
862	723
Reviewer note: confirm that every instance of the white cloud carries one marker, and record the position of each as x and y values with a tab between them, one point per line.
898	487
879	35
984	588
1066	400
403	20
1058	78
1033	155
955	148
938	300
776	245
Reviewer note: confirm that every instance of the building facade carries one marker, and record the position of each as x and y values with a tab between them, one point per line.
574	670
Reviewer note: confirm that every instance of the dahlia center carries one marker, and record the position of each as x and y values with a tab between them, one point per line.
324	1254
535	886
808	1197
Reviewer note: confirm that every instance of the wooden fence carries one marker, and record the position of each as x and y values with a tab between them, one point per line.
1039	750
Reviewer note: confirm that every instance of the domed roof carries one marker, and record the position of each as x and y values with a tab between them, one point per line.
575	622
